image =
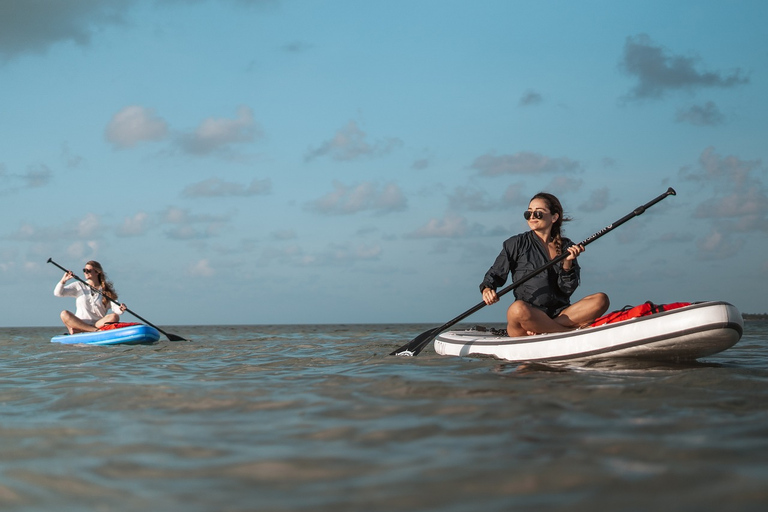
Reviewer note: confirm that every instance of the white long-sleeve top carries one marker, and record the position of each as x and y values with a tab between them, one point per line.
89	306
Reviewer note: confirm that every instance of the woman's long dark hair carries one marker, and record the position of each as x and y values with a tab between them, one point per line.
553	203
103	284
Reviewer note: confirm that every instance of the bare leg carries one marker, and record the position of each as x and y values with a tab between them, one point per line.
74	324
584	312
109	319
524	319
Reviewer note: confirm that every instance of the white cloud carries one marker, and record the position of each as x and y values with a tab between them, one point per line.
25	232
188	226
658	71
530	98
451	226
349	143
719	245
336	254
216	187
135	124
201	268
563	184
135	226
36	176
219	134
465	198
736	188
71	160
701	115
83	250
296	47
367	196
730	171
346	254
598	200
289	255
88	227
513	195
523	162
738	205
33	27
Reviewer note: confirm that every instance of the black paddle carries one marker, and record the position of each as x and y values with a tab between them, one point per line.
170	336
418	343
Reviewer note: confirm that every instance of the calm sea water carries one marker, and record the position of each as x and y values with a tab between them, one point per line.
279	418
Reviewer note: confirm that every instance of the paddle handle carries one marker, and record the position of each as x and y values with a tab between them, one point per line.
172	337
637	211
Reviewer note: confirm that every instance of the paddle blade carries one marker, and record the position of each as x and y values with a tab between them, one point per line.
174	337
417	344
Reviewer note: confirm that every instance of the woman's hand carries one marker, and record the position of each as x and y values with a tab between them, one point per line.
573	253
490	297
123	307
69	275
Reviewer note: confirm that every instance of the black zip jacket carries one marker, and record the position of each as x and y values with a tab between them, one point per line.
521	254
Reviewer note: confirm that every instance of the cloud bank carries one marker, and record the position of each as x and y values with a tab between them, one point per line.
33	26
658	71
738	206
351	143
367	196
216	187
701	115
523	162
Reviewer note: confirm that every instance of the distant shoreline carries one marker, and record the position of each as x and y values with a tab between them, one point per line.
752	316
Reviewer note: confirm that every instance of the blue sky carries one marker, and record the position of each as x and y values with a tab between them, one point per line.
339	161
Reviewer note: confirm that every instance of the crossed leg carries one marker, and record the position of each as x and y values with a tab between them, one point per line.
75	324
524	319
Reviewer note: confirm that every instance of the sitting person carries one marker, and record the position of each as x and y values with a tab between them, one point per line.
542	303
92	306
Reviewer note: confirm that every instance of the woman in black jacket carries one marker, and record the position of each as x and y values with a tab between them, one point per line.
543	302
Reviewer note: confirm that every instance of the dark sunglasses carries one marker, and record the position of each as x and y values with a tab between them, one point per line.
537	214
88	270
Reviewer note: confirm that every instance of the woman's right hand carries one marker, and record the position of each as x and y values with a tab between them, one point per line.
69	275
490	297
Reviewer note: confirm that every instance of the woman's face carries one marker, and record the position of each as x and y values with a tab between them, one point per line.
91	272
547	217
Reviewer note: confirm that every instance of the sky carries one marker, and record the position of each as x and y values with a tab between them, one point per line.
347	161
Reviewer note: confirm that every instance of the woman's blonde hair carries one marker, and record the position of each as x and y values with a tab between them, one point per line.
103	284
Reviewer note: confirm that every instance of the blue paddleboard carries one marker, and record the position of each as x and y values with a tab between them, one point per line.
130	335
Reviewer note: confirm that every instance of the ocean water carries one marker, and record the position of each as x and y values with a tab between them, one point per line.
319	417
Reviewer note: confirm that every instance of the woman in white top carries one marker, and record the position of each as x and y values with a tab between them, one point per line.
92	306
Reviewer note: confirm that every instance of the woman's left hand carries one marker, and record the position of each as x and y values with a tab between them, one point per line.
573	253
123	307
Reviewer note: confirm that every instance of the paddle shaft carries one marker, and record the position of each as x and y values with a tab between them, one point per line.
418	343
172	337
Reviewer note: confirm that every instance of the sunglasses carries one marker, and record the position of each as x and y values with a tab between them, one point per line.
88	270
537	214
